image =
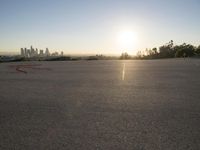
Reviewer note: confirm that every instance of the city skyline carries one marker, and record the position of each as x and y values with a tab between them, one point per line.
98	27
29	53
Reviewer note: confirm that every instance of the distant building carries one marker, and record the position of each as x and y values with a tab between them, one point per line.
41	53
22	52
32	52
36	52
28	53
25	52
47	53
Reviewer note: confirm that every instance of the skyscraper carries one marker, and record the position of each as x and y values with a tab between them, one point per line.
25	52
41	53
32	52
22	52
47	53
36	52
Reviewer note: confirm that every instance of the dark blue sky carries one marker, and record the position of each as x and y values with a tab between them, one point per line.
92	26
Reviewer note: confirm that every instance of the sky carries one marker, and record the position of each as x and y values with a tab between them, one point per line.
95	26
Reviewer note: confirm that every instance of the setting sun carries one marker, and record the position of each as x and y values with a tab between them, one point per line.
127	40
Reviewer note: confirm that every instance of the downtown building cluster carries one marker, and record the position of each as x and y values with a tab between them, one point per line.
28	53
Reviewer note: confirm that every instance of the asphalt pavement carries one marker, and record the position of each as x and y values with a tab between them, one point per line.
100	105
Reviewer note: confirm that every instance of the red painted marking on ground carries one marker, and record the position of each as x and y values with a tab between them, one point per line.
41	68
20	68
26	65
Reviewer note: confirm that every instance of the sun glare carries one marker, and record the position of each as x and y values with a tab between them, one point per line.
127	41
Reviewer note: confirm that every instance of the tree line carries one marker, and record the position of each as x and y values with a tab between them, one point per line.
168	50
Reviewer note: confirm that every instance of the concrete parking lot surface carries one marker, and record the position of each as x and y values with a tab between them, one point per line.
100	105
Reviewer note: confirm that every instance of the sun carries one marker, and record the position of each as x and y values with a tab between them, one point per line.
127	40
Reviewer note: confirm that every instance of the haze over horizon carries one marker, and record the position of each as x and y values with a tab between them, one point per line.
97	26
